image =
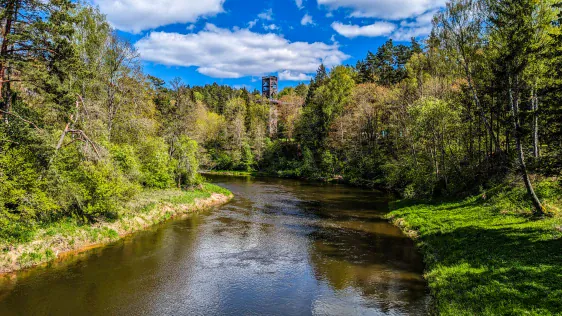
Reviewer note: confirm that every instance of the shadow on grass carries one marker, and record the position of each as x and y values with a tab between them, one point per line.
499	271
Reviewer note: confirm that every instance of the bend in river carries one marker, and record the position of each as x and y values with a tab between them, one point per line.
281	247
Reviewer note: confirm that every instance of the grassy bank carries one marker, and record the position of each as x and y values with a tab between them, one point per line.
151	207
232	173
486	255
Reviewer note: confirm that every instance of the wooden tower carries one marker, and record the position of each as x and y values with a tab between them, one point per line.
269	87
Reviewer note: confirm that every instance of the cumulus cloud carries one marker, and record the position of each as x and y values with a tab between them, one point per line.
138	15
307	20
222	53
385	9
299	4
372	30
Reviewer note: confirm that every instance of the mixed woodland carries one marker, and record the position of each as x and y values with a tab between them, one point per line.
84	129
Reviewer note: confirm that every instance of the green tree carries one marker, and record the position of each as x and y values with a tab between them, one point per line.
513	38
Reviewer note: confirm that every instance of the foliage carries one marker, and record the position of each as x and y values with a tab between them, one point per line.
186	163
82	127
156	164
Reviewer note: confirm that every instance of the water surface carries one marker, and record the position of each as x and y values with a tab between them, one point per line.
281	247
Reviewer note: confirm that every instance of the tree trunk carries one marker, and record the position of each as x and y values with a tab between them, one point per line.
476	99
514	103
535	109
11	9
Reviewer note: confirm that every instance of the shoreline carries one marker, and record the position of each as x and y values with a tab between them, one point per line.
261	174
65	238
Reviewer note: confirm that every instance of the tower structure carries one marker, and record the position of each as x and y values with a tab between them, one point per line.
269	87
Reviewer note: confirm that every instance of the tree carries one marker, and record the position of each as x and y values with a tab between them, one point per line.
187	165
512	38
460	29
36	49
327	102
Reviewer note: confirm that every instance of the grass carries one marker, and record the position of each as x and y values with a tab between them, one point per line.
231	173
149	208
486	255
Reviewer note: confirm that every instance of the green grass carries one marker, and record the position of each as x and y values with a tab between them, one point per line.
29	259
150	199
231	173
489	256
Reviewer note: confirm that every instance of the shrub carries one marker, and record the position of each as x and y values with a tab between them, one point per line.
89	190
126	159
186	164
157	168
247	163
22	190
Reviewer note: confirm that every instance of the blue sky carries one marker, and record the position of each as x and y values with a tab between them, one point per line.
235	42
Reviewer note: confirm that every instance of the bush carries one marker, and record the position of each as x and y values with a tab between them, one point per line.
89	190
105	190
308	167
157	168
126	159
186	164
247	163
13	229
22	192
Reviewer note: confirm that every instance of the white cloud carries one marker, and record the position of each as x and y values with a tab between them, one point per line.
372	30
266	15
307	20
290	76
299	4
385	9
222	53
138	15
421	26
190	27
270	27
253	23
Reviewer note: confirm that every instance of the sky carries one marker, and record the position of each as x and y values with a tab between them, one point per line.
236	42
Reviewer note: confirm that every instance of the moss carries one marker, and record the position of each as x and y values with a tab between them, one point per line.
486	256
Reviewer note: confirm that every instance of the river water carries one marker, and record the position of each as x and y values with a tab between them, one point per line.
280	247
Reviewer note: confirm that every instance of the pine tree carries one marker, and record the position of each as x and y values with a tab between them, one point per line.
512	35
36	47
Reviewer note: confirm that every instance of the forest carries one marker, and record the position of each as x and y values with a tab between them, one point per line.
84	129
464	127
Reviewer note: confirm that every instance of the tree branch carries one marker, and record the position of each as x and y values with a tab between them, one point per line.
21	118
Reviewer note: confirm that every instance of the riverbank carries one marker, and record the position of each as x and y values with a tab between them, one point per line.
487	255
151	207
232	173
289	175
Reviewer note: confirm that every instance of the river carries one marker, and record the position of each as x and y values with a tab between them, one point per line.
280	247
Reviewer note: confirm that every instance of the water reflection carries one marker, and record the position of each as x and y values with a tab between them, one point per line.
280	247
